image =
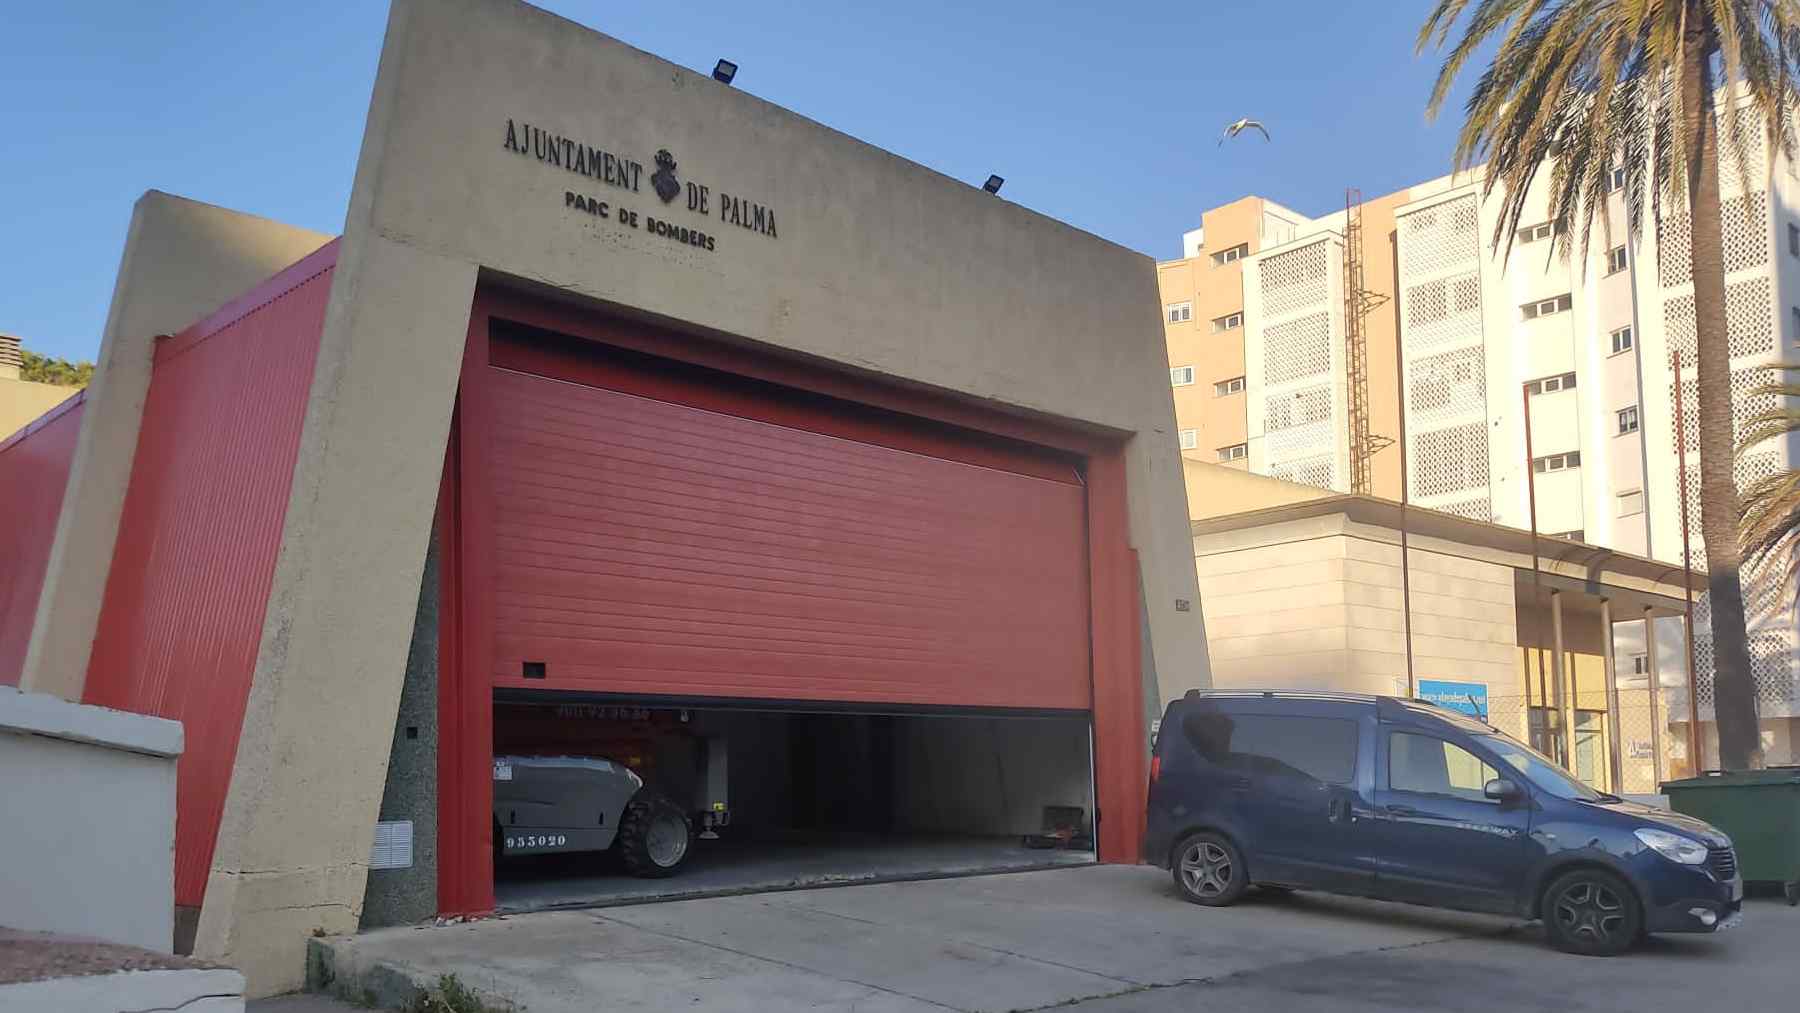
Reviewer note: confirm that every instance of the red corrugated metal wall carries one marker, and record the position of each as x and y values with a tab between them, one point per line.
770	546
34	471
183	615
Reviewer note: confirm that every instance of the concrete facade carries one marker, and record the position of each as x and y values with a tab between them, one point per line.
90	836
1304	589
182	260
971	296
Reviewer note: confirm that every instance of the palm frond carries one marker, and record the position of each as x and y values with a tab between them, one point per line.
1581	86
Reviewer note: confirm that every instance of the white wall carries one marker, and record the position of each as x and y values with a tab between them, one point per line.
88	835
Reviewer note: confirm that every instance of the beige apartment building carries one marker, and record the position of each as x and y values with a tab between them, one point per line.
1475	345
22	401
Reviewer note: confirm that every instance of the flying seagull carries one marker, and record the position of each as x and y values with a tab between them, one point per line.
1234	129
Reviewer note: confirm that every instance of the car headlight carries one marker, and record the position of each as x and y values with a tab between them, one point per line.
1674	847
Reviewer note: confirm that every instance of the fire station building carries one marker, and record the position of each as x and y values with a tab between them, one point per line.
626	407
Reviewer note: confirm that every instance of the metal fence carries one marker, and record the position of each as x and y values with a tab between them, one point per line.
1654	746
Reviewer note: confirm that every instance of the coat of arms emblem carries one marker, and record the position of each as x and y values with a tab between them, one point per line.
663	179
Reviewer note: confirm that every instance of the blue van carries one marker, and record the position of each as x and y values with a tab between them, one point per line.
1405	801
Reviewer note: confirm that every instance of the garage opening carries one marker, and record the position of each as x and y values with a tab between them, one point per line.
774	798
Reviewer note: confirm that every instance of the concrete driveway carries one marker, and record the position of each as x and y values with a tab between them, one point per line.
1101	937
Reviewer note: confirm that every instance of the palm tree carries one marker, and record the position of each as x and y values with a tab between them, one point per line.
1771	520
1587	85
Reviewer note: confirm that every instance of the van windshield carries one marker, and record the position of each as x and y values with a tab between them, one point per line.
1539	769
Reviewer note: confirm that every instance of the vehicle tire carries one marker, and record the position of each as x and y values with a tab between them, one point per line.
1591	912
653	836
1210	870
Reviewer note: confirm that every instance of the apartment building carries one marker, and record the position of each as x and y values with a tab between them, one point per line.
1471	341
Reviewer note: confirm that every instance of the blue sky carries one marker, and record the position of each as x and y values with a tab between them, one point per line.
1103	115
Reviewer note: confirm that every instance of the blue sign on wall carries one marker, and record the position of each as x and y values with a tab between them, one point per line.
1470	698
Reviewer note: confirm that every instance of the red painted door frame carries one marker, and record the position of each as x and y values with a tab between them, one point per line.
466	612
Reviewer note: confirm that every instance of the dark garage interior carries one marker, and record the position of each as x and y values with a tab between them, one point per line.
808	797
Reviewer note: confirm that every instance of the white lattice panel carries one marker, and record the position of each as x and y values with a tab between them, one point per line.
1749	321
1747	238
1755	141
1319	471
1479	508
1297	443
1772	676
1448	460
1744	404
1297	349
1295	281
1772	673
1447	384
1297	407
1440	238
1747	470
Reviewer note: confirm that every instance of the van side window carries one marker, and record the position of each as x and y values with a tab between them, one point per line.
1318	749
1420	763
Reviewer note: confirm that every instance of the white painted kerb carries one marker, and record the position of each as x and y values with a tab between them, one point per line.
43	714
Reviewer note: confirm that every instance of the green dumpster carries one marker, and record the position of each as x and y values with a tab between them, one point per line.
1759	810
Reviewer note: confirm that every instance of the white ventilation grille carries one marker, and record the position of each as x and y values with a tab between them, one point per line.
1297	350
1747	238
1445	384
1299	441
1445	361
1295	280
1744	404
1749	321
1318	470
1753	321
1446	234
393	845
1477	509
1450	460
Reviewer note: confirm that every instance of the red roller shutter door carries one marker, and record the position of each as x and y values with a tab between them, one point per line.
648	546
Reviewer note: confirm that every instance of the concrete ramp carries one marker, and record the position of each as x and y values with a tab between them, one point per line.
1004	942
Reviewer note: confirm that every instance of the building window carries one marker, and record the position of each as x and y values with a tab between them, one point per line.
1231	256
1228	322
1557	462
1190	438
1180	312
1631	503
1235	452
1640	664
1225	388
1537	233
1181	376
1621	340
1615	180
1551	384
1545	307
1796	314
1794	240
1615	260
1628	420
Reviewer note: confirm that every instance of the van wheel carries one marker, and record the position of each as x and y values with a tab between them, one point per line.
1591	912
1209	870
653	836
